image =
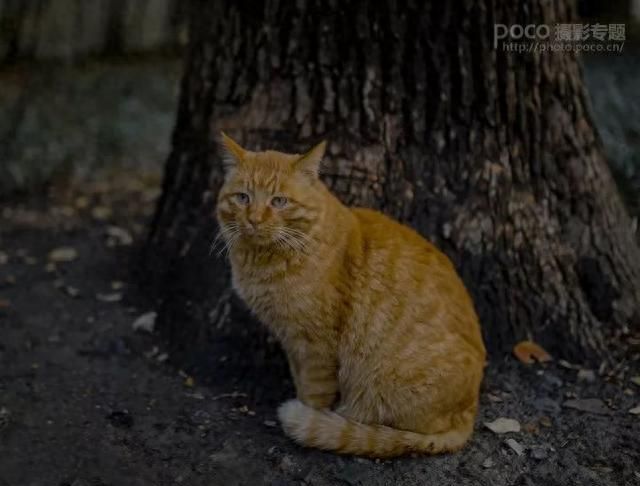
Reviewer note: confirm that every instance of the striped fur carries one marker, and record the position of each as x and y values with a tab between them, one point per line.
328	430
382	339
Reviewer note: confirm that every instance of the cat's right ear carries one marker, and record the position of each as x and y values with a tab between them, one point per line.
232	153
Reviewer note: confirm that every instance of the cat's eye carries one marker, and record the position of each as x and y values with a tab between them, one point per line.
242	198
279	201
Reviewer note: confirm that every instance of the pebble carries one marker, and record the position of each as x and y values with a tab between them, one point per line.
546	404
588	376
539	453
120	235
487	463
72	291
5	417
109	298
515	446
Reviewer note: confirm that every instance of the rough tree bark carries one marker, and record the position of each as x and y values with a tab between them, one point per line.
490	154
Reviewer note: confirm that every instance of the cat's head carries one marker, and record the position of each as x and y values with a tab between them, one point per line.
269	198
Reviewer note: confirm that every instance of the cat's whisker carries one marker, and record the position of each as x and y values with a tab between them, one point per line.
222	236
230	238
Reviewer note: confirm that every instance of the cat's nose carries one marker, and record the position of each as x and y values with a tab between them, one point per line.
254	222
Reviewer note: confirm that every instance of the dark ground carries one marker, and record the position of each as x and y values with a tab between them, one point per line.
86	400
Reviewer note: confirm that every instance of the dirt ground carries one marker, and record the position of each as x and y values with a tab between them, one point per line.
87	400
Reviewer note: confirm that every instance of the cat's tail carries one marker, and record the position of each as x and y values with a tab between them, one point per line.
326	429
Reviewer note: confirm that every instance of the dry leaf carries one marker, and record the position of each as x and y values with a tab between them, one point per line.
529	352
545	421
635	380
503	425
4	304
589	405
146	322
63	254
101	213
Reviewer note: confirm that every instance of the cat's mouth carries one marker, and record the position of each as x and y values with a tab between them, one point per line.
258	236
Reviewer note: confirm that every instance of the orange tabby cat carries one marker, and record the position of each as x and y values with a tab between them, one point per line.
382	338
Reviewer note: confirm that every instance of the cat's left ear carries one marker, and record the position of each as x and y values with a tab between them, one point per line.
232	153
309	163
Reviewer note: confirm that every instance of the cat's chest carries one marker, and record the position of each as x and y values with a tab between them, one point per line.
283	298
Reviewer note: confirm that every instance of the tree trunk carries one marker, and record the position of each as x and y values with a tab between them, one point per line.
490	154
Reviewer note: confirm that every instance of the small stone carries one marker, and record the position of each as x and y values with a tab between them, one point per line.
635	410
503	425
117	285
50	267
72	291
539	453
29	260
62	254
146	322
588	376
546	404
287	464
270	423
5	417
569	366
487	463
189	382
120	235
4	258
5	303
109	298
515	446
635	380
162	357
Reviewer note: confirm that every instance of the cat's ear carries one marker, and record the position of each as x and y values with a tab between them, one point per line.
232	153
309	163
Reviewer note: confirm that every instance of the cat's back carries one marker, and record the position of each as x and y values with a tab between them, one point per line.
400	268
383	234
